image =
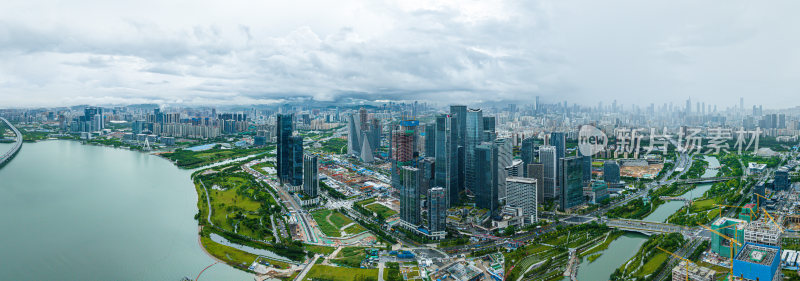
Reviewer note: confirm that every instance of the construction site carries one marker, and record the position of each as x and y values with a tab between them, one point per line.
350	179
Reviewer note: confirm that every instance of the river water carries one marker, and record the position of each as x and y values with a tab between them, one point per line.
79	212
622	249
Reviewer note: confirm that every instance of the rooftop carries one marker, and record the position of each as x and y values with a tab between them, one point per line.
757	254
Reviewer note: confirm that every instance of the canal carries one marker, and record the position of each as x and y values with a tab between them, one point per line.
81	212
622	249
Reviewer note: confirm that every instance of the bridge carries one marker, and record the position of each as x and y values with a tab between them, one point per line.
5	158
705	180
647	227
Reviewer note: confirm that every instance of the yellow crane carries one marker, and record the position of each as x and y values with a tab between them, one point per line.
758	200
773	220
677	256
733	241
720	211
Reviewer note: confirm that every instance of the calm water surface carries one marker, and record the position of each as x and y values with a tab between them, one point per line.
79	212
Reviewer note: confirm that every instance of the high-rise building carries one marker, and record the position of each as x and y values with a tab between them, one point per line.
559	141
528	153
504	160
296	163
586	167
403	147
782	181
310	175
446	167
489	131
571	183
459	112
536	171
354	135
547	155
430	140
522	194
362	117
611	172
474	137
410	195
486	177
283	133
437	210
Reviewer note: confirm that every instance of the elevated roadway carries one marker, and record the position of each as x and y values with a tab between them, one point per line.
8	155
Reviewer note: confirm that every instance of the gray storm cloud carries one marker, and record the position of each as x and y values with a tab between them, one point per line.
240	52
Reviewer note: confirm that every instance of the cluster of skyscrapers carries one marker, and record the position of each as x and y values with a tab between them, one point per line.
293	167
459	159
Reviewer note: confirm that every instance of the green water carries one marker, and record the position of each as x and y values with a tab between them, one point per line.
79	212
622	249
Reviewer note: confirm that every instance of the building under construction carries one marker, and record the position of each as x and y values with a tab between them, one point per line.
696	272
756	262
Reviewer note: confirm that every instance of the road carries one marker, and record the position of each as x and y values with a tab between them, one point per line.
308	267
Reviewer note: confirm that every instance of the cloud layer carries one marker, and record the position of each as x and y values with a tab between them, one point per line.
264	52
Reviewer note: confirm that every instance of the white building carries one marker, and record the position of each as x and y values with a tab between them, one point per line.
522	194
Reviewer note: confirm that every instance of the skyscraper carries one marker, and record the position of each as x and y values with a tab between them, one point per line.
403	147
295	175
489	132
586	167
437	209
409	195
354	135
310	175
459	112
547	155
559	141
528	154
571	183
430	140
522	194
283	133
474	137
486	177
446	175
611	172
504	161
536	171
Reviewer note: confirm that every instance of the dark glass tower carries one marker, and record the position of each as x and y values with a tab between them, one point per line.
283	132
486	191
409	195
572	182
446	166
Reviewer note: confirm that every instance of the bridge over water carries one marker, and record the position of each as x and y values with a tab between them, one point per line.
648	227
705	180
7	156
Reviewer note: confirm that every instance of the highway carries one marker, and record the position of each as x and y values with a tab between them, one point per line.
8	155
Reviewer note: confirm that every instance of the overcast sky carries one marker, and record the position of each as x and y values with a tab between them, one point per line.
261	51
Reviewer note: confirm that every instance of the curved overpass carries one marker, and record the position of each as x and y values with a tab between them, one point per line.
8	155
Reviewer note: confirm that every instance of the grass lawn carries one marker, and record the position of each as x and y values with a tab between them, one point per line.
230	255
341	273
651	265
320	216
320	249
703	205
350	256
380	210
355	229
339	220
